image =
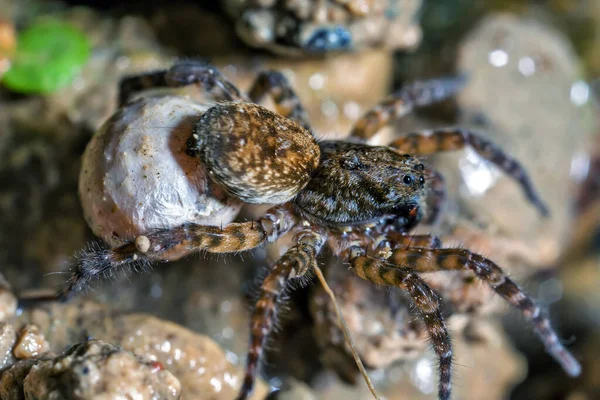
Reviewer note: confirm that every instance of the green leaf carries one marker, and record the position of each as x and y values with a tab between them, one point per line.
49	55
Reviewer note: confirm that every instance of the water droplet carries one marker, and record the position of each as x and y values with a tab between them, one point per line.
156	290
329	108
423	376
215	383
316	81
478	174
580	166
227	333
232	357
165	347
527	66
550	291
226	306
498	58
580	92
352	110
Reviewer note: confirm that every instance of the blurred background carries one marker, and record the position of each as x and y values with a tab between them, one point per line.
533	87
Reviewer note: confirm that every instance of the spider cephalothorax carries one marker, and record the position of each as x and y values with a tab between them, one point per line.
358	200
357	184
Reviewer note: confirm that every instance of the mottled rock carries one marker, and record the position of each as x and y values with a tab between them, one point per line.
8	338
97	370
198	362
203	369
382	328
296	390
335	91
305	27
525	93
475	377
11	380
30	343
8	301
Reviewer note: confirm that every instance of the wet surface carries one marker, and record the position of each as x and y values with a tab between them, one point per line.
526	91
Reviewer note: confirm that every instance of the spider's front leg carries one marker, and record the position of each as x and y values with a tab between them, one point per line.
183	73
428	260
399	104
436	197
295	263
379	271
393	239
439	140
167	245
287	102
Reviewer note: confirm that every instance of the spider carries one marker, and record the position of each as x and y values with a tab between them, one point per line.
358	200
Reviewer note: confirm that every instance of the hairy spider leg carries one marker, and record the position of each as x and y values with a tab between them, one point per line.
295	263
401	239
169	244
436	197
428	260
447	139
183	73
399	104
287	102
382	272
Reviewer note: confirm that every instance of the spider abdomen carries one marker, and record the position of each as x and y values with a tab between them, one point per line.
257	155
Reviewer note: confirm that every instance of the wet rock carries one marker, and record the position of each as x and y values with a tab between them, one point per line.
11	380
203	369
307	27
215	307
525	93
198	362
335	91
579	314
30	343
475	376
296	390
383	329
8	302
8	338
92	370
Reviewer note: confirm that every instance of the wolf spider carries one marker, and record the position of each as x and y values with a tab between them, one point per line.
359	200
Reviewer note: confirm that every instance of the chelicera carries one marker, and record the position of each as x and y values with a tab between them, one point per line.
360	201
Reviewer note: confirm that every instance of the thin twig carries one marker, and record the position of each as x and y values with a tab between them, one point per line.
347	335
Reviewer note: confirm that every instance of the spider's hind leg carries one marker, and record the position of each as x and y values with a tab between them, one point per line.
183	73
287	102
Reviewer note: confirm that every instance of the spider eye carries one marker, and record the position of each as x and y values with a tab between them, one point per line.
421	180
407	179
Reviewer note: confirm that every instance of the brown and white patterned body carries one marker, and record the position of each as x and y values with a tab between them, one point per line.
258	156
360	201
